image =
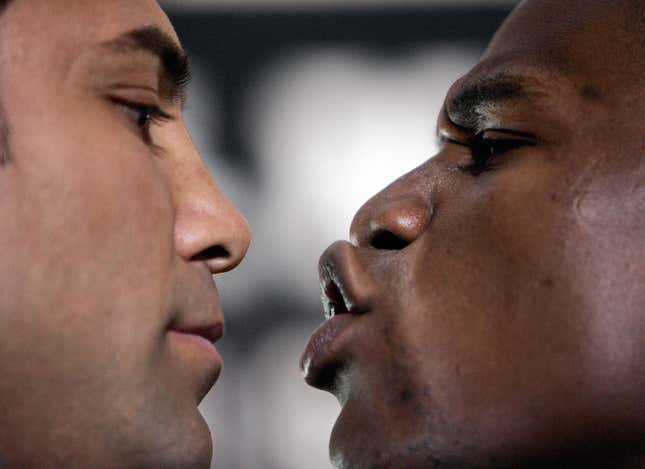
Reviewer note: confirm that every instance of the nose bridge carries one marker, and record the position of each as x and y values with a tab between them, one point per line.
208	227
395	217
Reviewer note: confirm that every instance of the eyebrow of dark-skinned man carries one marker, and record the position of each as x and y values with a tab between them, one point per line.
174	70
471	104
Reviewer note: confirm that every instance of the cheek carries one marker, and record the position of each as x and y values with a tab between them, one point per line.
101	195
90	245
89	183
498	313
86	276
494	278
399	343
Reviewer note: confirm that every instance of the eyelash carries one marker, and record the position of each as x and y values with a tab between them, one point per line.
149	115
484	150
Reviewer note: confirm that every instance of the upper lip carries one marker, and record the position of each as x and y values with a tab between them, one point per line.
343	286
200	314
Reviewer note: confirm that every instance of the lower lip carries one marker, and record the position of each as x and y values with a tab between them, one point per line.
325	346
197	342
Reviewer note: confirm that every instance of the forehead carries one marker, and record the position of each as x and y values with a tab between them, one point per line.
579	39
574	50
63	27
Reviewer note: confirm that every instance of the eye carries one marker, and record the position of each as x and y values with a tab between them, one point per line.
143	116
487	145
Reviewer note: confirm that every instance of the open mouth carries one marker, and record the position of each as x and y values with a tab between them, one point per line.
345	298
324	354
339	289
332	298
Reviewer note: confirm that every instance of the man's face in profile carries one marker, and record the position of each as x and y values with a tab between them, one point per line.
111	229
489	311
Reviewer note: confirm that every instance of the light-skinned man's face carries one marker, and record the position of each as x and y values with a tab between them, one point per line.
496	292
111	229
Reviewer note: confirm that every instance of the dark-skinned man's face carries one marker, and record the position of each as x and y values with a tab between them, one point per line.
110	230
496	293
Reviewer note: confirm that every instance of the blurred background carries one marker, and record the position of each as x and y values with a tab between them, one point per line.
302	110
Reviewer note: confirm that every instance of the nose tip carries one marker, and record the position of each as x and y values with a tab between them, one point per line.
229	252
210	229
392	224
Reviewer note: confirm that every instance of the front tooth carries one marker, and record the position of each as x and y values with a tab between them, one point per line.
349	306
328	307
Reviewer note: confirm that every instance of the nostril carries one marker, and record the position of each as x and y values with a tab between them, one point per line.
385	239
213	252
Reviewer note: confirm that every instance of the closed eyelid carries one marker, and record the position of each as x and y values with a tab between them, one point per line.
449	132
443	139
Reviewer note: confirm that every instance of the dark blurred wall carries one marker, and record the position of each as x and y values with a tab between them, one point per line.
301	116
238	45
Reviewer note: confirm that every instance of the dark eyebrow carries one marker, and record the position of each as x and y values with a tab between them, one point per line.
469	105
174	71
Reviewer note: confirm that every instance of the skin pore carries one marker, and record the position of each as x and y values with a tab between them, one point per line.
112	230
493	296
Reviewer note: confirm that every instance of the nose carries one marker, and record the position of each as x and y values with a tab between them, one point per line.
208	227
390	222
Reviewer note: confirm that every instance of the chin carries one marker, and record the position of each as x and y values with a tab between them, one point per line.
392	455
184	443
362	438
197	450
